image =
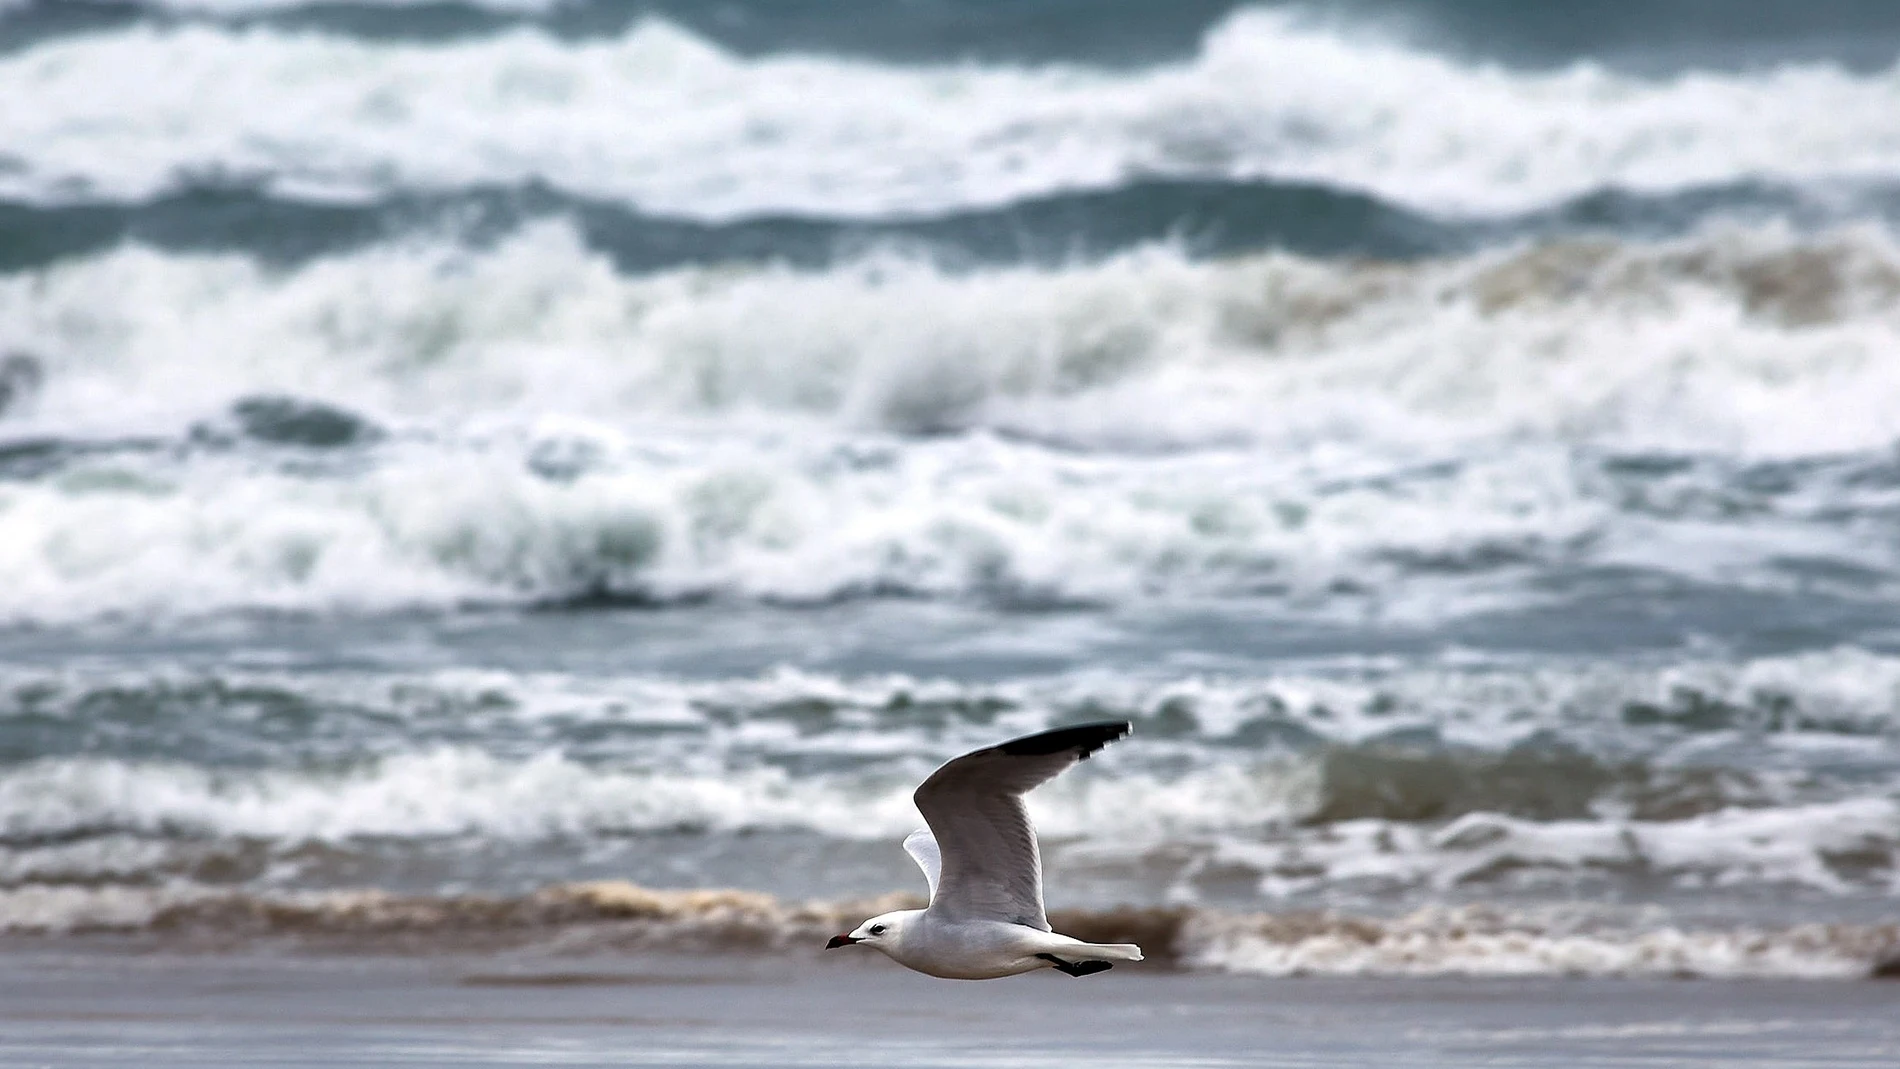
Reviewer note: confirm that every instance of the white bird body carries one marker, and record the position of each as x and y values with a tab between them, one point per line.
986	916
980	949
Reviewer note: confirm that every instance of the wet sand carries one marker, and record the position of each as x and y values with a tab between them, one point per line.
102	1007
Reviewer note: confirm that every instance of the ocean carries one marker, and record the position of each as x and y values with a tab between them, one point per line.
558	473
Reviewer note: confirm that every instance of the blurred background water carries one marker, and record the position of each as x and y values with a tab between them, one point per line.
457	448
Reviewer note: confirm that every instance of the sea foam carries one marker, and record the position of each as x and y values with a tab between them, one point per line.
1694	777
1749	341
669	122
529	425
590	917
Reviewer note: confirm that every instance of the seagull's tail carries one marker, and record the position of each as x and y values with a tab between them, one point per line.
1103	951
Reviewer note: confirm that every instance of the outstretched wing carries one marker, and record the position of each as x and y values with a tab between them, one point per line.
991	868
922	848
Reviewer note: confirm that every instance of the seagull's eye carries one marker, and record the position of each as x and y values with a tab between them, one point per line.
877	929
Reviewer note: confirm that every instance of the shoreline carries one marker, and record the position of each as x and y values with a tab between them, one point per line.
1472	940
100	1006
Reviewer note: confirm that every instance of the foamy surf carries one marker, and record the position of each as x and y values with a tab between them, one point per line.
1267	348
523	425
1710	782
669	121
1225	830
616	916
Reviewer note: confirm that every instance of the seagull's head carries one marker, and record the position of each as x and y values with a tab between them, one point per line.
881	932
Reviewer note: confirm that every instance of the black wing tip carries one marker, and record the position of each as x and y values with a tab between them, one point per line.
1085	739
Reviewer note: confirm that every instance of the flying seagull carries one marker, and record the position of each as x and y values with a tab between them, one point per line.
985	871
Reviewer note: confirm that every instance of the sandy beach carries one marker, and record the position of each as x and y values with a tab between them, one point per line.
107	1007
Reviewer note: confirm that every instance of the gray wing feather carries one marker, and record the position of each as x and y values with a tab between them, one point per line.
990	865
922	847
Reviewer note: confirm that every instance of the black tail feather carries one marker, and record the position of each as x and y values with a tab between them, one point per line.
1076	968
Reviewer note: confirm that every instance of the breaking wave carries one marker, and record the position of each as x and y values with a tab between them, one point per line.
1768	777
523	424
1675	345
1203	218
1467	941
1235	826
662	119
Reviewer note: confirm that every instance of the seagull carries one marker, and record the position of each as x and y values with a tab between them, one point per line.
979	856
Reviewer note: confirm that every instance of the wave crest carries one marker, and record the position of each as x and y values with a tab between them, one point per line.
552	431
1464	941
667	120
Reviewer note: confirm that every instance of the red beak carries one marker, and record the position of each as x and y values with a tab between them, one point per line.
839	941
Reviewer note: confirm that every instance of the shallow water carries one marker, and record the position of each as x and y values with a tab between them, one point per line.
731	1012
